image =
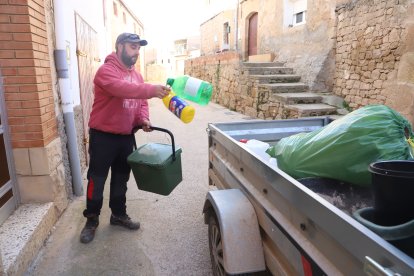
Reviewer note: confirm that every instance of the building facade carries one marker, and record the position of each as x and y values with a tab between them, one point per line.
49	53
119	18
358	50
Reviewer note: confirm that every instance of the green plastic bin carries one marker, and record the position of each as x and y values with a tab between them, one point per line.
157	167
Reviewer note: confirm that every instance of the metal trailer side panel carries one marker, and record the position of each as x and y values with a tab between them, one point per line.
334	240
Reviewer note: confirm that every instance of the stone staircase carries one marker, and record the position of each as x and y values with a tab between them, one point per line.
285	87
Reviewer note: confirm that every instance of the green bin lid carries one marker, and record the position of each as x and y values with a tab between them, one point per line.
153	154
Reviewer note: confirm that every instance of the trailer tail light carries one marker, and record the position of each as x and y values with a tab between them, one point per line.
307	267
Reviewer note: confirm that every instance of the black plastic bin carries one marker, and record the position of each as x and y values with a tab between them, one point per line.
393	188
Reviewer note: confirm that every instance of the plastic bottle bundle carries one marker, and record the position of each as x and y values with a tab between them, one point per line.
179	107
192	89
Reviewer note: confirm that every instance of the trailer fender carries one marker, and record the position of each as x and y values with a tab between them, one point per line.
239	228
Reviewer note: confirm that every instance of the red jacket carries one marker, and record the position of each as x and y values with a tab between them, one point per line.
121	95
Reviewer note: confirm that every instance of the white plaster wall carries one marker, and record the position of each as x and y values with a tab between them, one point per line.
92	12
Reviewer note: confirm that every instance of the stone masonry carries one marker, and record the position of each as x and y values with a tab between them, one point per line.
375	54
231	88
235	88
371	59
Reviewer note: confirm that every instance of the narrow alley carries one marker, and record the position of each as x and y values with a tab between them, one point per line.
173	238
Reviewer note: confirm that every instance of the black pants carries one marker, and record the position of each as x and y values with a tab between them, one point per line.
108	151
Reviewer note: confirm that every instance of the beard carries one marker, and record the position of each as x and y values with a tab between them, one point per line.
128	60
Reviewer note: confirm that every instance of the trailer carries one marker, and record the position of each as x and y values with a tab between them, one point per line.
261	220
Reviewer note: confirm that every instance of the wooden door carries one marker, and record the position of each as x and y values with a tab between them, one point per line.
252	35
8	199
88	62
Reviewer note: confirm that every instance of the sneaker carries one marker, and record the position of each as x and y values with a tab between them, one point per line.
88	232
124	221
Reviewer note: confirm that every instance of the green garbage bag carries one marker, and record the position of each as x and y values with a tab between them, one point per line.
344	149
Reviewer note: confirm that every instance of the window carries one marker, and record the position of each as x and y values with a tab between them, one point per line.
294	12
226	31
299	11
115	9
299	18
180	47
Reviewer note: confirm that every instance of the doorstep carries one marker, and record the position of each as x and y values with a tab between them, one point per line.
22	236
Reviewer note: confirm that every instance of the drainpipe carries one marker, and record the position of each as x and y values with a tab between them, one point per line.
66	96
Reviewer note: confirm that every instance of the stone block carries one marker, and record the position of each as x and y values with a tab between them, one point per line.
23	234
263	107
250	112
406	68
22	161
60	197
36	189
410	37
378	84
401	98
39	161
262	58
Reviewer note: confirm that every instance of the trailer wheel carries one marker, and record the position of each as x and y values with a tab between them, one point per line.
216	249
216	246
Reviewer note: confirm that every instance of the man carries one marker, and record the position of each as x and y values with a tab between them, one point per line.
120	104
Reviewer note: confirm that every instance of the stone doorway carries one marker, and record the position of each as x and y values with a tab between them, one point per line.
252	35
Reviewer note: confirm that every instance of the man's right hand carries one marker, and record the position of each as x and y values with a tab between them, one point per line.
161	91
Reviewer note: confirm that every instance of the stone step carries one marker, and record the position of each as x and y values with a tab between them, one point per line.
269	70
331	99
263	64
276	78
295	87
308	110
22	235
297	98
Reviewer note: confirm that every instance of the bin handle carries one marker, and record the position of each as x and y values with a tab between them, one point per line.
159	129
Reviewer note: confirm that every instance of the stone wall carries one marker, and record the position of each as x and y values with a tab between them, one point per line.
375	54
232	86
308	48
221	70
362	51
156	73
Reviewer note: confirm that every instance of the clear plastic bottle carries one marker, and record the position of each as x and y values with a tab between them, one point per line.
179	107
192	89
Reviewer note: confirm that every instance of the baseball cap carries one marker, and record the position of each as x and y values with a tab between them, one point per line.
132	38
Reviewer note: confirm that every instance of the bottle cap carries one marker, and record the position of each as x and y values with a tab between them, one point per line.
170	81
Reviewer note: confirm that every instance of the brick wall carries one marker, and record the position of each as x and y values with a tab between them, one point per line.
25	66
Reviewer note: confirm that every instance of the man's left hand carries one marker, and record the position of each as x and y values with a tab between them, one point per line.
146	126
